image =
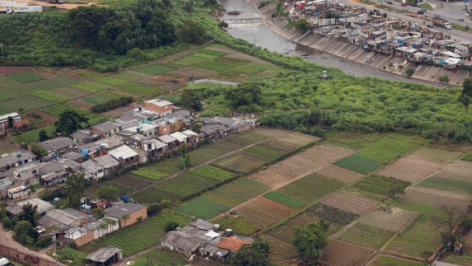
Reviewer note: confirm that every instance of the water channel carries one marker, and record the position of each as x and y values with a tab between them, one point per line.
248	26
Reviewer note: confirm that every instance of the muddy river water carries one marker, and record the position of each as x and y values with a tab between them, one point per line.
248	26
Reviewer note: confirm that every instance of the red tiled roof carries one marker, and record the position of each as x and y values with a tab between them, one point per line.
231	243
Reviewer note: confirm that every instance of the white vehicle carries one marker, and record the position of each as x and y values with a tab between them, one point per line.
25	9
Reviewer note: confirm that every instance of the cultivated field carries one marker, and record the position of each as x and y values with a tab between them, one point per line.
264	212
448	185
202	208
331	214
340	174
393	220
284	232
439	156
271	178
298	139
358	163
384	260
311	187
410	170
349	203
240	162
434	198
340	253
367	236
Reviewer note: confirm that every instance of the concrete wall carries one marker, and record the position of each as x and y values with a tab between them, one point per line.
133	218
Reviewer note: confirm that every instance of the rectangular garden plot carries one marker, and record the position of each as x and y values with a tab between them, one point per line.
340	253
82	104
153	70
384	186
417	196
25	77
284	199
460	167
90	86
216	66
358	164
70	93
298	139
131	75
438	156
247	138
212	172
202	208
367	236
331	214
139	89
386	149
311	187
196	72
271	178
191	60
410	170
394	220
386	260
26	103
100	98
264	212
349	203
326	153
237	192
278	145
132	181
448	185
57	110
186	185
45	85
240	162
7	82
153	195
340	174
264	152
284	232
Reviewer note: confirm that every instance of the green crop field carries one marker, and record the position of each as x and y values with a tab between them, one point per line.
464	260
341	145
101	97
202	208
212	53
90	86
367	236
205	154
159	170
140	236
247	138
131	181
153	195
139	89
456	187
95	119
113	81
154	69
186	184
386	149
467	157
212	172
130	75
392	261
26	103
149	173
238	224
240	162
285	199
264	152
191	60
25	77
45	85
49	96
358	163
163	257
6	81
216	66
69	93
422	235
57	110
236	192
331	214
311	188
382	185
34	134
225	145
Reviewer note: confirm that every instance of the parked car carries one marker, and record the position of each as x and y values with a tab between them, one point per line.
437	15
390	3
403	4
423	9
420	12
460	19
430	26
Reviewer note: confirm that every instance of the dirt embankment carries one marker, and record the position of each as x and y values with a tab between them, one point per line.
354	52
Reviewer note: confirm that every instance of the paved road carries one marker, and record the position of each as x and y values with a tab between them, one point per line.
455	34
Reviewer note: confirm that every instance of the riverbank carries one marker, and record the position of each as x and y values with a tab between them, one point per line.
354	53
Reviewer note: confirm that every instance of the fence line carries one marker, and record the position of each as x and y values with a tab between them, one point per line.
14	254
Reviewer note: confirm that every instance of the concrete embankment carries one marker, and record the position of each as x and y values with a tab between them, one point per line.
355	53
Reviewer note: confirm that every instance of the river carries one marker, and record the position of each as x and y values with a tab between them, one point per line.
248	26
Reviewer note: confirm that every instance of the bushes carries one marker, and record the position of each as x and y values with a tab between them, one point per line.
112	104
444	79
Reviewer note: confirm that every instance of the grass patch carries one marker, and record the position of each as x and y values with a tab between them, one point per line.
153	70
162	256
367	236
69	93
392	261
456	187
239	162
386	149
186	185
26	103
358	163
234	61
342	145
216	66
49	96
34	134
90	86
212	172
139	89
101	98
426	6
264	152
284	199
238	224
202	208
6	81
191	60
382	185
464	260
44	85
57	110
212	53
113	81
467	157
25	77
311	187
331	214
236	192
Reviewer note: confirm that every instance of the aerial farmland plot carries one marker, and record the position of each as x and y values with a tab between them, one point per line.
367	236
284	232
263	211
240	162
393	220
298	139
310	188
358	163
271	178
439	156
384	260
349	203
448	185
236	192
386	149
202	208
340	174
331	214
340	253
410	170
416	198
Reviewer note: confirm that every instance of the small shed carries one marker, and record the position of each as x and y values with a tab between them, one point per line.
105	256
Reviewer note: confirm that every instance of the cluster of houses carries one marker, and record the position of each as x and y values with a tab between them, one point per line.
19	124
384	35
138	136
203	239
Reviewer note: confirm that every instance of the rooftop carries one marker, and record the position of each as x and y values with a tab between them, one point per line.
4	117
107	161
43	206
231	243
57	143
159	102
123	152
106	127
72	156
166	139
119	209
104	254
91	166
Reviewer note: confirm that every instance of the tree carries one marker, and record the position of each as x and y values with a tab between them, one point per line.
409	71
10	122
38	150
466	95
331	14
110	223
191	99
43	135
171	226
449	219
110	193
29	213
223	25
69	121
98	213
310	240
102	227
23	230
125	218
7	223
245	94
75	189
185	160
301	24
193	32
256	254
